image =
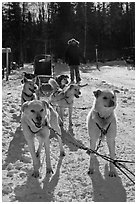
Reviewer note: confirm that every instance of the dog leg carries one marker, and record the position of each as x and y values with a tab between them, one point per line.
36	163
57	128
54	122
55	125
41	141
47	150
61	113
92	156
70	116
111	135
111	146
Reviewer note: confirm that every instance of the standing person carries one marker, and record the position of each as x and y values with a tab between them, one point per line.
72	58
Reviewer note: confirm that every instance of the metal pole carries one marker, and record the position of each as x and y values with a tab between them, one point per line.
7	64
85	34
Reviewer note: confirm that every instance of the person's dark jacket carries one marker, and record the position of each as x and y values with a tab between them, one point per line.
73	55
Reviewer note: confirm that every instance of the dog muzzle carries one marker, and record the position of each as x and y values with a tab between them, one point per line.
38	124
32	90
111	103
77	95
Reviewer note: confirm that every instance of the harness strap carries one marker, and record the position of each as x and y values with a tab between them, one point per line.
33	131
27	94
103	131
66	97
57	91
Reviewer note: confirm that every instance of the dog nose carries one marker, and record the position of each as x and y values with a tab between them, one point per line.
111	103
39	118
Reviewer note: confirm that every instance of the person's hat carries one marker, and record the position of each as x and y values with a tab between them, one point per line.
73	40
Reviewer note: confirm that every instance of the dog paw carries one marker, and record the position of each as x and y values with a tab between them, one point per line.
35	174
112	174
62	154
49	171
90	171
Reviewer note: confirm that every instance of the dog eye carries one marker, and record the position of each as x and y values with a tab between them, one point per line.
112	97
42	110
32	111
105	97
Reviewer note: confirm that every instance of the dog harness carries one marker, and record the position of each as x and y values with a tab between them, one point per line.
102	130
63	98
67	97
56	92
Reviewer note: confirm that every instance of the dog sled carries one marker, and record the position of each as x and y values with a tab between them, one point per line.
43	68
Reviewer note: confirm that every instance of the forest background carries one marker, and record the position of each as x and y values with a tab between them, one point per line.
34	28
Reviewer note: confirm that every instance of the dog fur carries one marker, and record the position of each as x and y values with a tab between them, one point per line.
102	116
64	98
29	90
36	117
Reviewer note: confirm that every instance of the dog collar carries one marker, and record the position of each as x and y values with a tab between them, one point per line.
28	95
33	131
102	117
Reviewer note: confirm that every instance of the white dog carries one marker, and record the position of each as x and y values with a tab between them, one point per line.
37	116
101	119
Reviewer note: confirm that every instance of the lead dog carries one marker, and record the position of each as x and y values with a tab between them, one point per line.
37	116
102	118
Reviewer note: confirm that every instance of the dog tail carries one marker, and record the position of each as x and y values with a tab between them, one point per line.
54	84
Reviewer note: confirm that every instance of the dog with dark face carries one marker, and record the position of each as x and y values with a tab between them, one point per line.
62	80
101	119
37	117
28	75
29	90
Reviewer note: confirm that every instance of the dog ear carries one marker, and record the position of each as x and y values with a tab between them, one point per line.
24	106
97	93
24	78
116	91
